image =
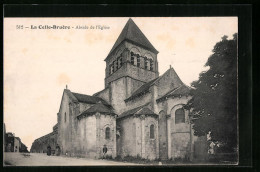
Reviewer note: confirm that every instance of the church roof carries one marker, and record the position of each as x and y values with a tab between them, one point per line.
99	107
88	99
132	33
56	125
141	110
144	88
176	92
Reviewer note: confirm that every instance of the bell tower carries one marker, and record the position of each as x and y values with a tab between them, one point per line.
131	63
131	56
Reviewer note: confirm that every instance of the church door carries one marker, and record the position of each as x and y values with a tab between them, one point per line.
163	151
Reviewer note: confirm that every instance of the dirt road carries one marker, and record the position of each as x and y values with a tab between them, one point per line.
39	159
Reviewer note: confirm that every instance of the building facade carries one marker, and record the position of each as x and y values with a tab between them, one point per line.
139	113
13	144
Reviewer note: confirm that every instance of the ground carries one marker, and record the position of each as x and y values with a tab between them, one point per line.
40	159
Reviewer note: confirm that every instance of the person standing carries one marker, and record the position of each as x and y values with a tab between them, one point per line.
104	151
49	151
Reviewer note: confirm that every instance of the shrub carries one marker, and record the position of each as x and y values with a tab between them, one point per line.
109	157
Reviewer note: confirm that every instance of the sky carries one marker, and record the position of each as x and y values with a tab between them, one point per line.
38	63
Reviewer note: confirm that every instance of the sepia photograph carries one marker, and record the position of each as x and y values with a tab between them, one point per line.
120	91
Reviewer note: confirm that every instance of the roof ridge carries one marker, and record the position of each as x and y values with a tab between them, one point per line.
127	27
139	109
82	94
171	92
174	89
135	93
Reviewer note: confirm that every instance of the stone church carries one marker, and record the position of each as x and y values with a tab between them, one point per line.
139	113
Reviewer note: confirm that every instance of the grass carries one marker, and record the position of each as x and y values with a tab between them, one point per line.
158	161
137	160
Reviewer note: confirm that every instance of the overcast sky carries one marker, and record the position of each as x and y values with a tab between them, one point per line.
38	63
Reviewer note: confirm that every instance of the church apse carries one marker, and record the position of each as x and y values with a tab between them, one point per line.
135	114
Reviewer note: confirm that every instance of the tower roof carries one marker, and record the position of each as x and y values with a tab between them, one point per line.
132	33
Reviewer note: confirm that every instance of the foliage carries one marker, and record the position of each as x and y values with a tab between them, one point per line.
214	96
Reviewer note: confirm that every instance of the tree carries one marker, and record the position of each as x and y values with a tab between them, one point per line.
214	96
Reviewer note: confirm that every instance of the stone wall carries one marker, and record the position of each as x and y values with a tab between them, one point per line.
180	145
132	85
179	135
104	121
167	82
118	95
40	145
140	73
135	138
139	101
121	72
63	128
87	136
151	145
91	135
104	94
126	143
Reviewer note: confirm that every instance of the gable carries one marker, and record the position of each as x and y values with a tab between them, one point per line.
165	82
168	81
67	92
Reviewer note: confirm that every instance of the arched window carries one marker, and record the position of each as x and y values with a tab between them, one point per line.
179	116
151	65
145	62
138	60
115	65
152	131
65	117
120	61
107	134
110	69
113	68
132	58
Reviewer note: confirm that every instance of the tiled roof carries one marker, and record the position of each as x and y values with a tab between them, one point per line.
129	112
99	92
181	90
89	99
142	89
55	126
145	111
141	110
98	108
145	88
132	33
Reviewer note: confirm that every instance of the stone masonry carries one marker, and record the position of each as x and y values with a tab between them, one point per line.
139	113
